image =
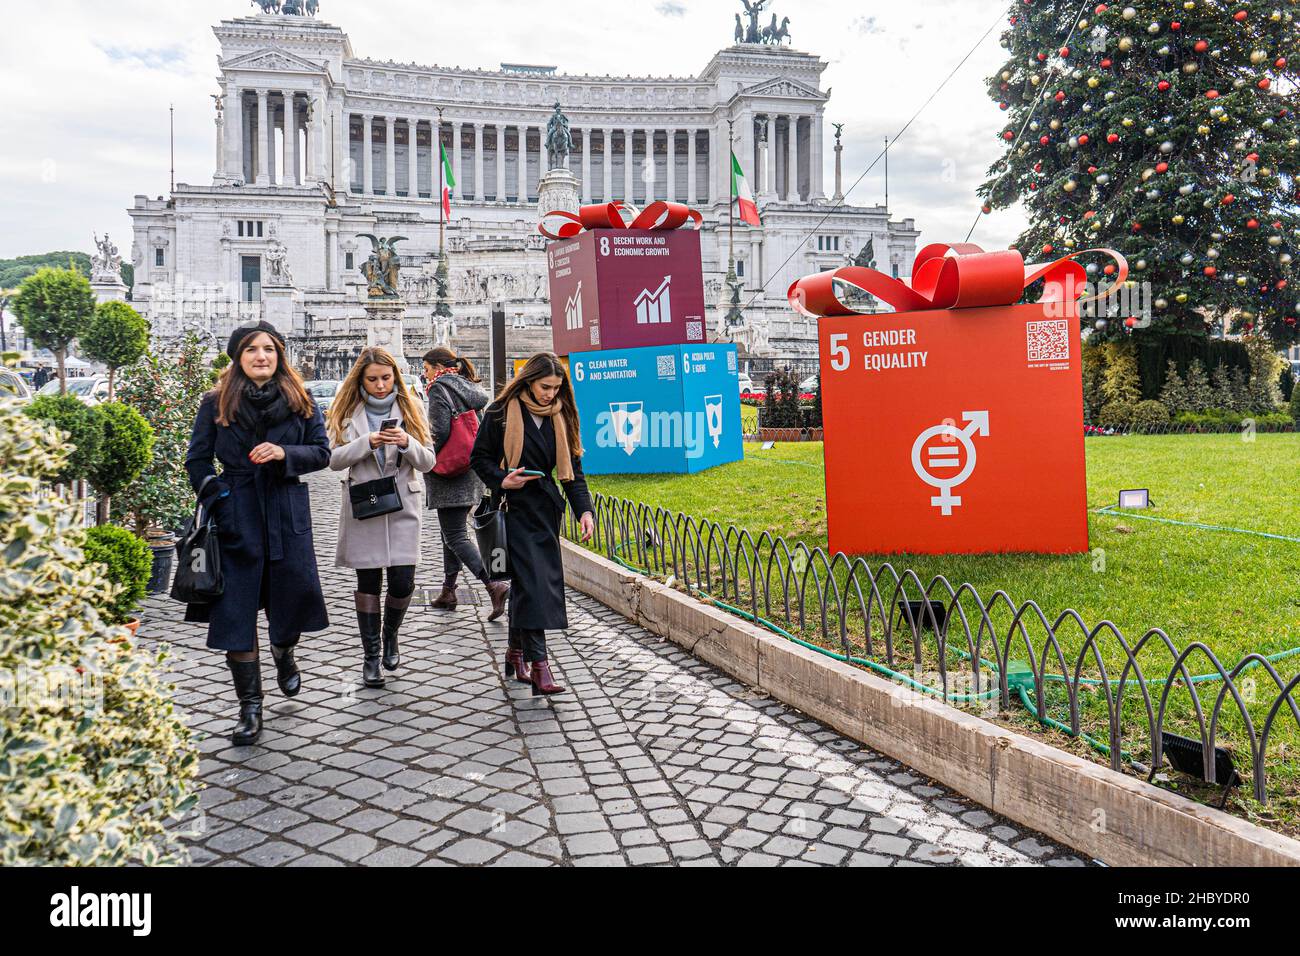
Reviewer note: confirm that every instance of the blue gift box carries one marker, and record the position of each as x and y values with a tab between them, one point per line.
671	408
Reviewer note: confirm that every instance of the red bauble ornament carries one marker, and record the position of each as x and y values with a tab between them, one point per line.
1228	200
1105	63
1211	271
1252	157
1239	16
1042	58
1162	85
986	209
1109	270
1065	51
1060	96
1200	46
1212	94
1252	223
1137	226
1008	135
1281	284
1089	214
1277	225
1130	321
1003	106
1175	25
1265	83
1280	63
1047	249
1289	320
1091	170
1083	139
1100	8
1113	138
1038	167
1162	167
1043	140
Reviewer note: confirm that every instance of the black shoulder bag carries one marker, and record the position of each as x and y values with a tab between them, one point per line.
374	498
198	577
489	525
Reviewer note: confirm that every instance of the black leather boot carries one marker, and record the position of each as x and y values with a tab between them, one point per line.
247	676
286	670
394	611
369	623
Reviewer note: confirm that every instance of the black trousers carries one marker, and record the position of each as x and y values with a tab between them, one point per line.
458	551
532	641
401	580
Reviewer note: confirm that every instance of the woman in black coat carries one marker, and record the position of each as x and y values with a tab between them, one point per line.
453	390
265	430
533	426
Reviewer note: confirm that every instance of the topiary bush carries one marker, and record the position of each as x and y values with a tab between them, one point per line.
126	451
1150	415
1116	415
127	563
84	433
95	761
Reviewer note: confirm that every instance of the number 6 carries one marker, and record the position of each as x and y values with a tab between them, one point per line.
839	351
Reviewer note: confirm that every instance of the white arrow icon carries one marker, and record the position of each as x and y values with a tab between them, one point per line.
944	447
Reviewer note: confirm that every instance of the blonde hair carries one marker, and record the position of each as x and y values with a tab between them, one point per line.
351	393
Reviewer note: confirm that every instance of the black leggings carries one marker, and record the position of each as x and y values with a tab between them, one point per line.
401	580
457	549
532	641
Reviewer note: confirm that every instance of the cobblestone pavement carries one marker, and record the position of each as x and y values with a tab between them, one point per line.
653	758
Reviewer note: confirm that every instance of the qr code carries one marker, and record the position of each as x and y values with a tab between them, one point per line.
731	361
667	365
1048	341
694	331
595	335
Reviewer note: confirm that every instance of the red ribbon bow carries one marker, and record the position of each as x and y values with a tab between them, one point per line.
660	215
957	276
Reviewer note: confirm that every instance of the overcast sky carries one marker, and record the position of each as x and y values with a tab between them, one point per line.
87	86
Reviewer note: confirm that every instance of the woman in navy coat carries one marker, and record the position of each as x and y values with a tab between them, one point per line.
266	432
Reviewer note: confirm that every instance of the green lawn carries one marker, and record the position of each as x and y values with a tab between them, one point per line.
1235	593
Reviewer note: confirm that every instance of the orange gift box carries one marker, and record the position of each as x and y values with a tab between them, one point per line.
954	425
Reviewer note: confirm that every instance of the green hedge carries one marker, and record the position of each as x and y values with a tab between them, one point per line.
128	563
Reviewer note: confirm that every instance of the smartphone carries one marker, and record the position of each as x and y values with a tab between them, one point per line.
387	423
529	471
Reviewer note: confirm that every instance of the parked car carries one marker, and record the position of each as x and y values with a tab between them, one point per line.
746	383
323	391
90	389
15	385
809	384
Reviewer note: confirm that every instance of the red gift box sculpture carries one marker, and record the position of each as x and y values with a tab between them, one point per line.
955	424
617	284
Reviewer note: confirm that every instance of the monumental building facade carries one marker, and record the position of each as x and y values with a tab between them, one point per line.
316	148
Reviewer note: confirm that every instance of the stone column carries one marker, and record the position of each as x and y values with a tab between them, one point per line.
290	163
648	173
249	130
815	189
412	158
608	166
792	159
586	165
501	163
690	167
263	169
390	162
671	160
331	256
523	164
478	162
627	165
219	167
368	153
455	160
767	152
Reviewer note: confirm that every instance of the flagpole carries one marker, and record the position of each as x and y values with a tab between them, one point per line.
731	202
441	187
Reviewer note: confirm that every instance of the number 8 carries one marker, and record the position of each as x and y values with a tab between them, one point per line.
604	245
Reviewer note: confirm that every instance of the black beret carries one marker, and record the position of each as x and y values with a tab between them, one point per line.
244	331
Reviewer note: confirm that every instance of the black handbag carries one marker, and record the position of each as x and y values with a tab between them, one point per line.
374	498
198	577
489	525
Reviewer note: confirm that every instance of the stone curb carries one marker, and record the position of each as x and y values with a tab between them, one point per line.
1115	818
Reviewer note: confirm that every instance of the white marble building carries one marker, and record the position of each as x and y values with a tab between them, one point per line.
360	158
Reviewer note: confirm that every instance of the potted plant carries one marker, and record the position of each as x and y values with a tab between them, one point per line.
127	564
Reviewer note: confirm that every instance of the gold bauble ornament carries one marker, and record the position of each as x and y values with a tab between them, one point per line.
1178	220
1055	124
1127	121
1180	298
1095	227
1093	82
1257	56
1190	68
1203	129
1125	44
1070	186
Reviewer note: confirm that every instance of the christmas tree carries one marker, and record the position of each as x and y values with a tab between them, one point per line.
1166	130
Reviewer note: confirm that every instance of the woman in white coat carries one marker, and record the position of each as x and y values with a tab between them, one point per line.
377	429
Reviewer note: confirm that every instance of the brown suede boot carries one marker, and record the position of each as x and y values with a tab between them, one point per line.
498	591
446	601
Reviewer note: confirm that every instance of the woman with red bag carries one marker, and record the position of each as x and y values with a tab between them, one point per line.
456	404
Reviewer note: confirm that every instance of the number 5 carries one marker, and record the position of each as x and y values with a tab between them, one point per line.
839	351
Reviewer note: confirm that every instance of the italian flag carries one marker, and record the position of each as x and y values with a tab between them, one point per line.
448	181
744	196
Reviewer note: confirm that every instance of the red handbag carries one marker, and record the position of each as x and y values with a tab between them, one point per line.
453	457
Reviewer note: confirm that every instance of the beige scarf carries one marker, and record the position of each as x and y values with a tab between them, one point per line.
514	441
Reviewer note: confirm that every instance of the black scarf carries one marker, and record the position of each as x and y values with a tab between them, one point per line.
261	408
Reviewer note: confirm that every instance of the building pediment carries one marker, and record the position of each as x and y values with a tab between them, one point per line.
272	61
785	88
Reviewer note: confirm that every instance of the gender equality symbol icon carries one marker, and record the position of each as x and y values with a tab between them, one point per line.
944	447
